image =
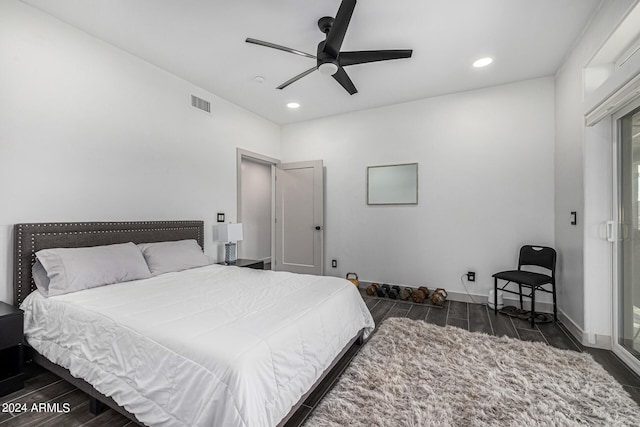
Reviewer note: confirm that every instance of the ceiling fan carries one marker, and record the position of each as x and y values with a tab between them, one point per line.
330	60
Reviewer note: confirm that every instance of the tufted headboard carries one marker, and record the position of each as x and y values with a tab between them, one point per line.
30	238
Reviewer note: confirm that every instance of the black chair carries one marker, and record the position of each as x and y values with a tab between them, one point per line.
540	256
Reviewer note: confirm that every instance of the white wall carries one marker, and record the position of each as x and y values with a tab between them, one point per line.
256	210
583	183
569	196
486	180
89	132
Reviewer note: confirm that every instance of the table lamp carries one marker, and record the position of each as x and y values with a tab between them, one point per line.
230	233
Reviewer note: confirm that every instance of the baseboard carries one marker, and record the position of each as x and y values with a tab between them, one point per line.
597	341
602	341
570	326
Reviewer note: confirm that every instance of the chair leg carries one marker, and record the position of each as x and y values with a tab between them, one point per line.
520	288
533	307
555	304
495	295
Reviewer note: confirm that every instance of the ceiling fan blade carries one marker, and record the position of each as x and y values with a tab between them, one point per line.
339	28
344	80
277	46
351	58
296	78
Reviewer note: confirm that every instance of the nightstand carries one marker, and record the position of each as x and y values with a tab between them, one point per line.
11	327
249	263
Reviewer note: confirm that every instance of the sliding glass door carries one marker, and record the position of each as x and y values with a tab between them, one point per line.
628	250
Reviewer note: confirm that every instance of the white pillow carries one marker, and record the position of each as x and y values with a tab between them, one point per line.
74	269
40	277
164	257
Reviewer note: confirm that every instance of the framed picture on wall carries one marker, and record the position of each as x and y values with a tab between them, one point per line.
392	184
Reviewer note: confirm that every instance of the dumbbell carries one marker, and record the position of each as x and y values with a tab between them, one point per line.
383	291
439	297
372	289
418	296
405	294
394	292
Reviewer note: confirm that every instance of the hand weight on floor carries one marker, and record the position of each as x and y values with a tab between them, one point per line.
383	291
372	289
353	278
394	292
439	297
418	296
405	294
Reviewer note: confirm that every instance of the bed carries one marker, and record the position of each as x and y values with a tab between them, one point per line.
212	345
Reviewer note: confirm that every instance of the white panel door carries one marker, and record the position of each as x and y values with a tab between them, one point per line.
299	217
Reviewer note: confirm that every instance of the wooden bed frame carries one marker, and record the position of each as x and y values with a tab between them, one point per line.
30	238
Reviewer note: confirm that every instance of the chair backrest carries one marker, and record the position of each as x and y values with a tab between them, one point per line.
541	256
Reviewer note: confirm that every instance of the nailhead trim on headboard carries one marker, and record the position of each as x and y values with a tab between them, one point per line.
78	234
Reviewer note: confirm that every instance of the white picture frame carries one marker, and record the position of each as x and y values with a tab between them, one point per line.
392	184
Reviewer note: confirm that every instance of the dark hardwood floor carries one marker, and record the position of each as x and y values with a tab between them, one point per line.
42	386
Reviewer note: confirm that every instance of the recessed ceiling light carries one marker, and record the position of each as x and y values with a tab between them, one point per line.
259	79
293	105
482	62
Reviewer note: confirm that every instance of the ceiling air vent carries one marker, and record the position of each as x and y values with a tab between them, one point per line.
200	104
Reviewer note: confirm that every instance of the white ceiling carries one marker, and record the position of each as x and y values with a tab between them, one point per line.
202	41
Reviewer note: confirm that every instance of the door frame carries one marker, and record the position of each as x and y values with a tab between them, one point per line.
618	349
241	153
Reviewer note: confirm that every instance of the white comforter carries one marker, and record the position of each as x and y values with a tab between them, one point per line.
212	346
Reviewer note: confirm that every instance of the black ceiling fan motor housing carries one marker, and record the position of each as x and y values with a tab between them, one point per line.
325	23
324	56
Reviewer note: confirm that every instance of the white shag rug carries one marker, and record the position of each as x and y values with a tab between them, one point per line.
415	374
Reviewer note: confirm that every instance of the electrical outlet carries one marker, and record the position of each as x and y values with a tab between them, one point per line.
471	276
334	263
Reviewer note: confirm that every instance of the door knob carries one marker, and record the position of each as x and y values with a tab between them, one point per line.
318	228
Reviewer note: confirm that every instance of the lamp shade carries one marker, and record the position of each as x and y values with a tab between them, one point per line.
230	232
